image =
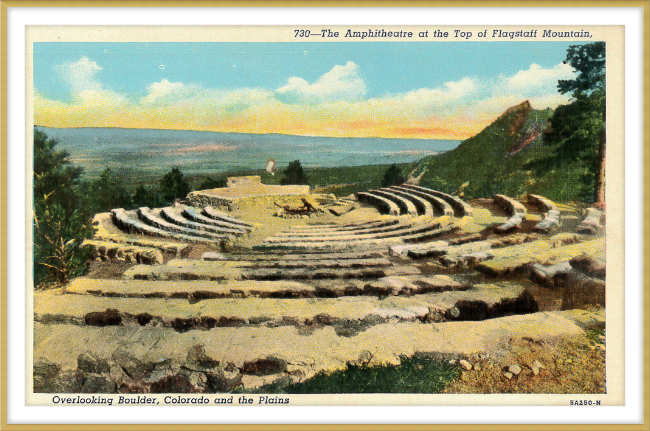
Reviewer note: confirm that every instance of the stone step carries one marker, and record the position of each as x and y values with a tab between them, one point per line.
152	218
461	208
218	215
404	204
195	215
511	246
544	203
76	359
438	203
334	233
479	303
506	261
343	227
423	206
108	251
382	204
591	222
401	230
550	222
313	256
175	216
196	291
129	222
180	269
511	205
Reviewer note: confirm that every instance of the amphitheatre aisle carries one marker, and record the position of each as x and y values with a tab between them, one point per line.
252	284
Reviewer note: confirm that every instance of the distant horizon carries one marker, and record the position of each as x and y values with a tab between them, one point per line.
389	90
248	133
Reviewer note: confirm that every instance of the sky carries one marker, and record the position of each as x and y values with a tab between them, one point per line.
420	90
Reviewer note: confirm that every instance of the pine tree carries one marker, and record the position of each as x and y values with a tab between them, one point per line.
60	220
294	174
393	176
173	185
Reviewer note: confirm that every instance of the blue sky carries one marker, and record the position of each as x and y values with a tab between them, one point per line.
288	73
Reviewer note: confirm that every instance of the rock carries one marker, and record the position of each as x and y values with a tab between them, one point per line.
508	375
97	384
172	385
514	369
264	367
535	368
538	364
452	362
110	317
211	256
198	360
44	375
90	363
465	364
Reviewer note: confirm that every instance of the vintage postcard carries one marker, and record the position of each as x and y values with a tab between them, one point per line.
273	215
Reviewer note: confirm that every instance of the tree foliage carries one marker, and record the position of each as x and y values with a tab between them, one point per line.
143	197
60	220
213	183
393	176
294	174
173	185
577	130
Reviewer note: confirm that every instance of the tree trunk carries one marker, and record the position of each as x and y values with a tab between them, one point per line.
599	186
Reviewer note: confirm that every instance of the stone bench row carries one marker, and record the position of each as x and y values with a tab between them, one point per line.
128	221
591	222
437	249
195	215
218	215
423	206
175	216
552	214
148	216
343	227
516	210
331	233
461	208
436	202
405	205
481	302
383	205
108	251
184	270
196	291
399	230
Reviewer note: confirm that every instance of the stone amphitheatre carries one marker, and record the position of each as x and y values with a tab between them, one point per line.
250	284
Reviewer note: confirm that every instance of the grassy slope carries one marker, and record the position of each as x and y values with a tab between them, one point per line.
484	161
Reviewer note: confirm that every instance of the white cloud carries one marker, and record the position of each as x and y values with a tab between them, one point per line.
163	91
80	74
537	78
340	83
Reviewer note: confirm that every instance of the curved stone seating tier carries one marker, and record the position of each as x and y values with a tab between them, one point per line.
360	231
423	206
551	220
404	204
516	210
194	214
218	215
461	208
146	215
511	205
439	204
406	232
591	222
108	251
174	215
382	204
545	203
310	256
129	222
344	227
395	231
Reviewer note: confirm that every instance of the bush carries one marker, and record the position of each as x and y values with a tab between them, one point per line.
61	220
393	176
294	174
213	183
